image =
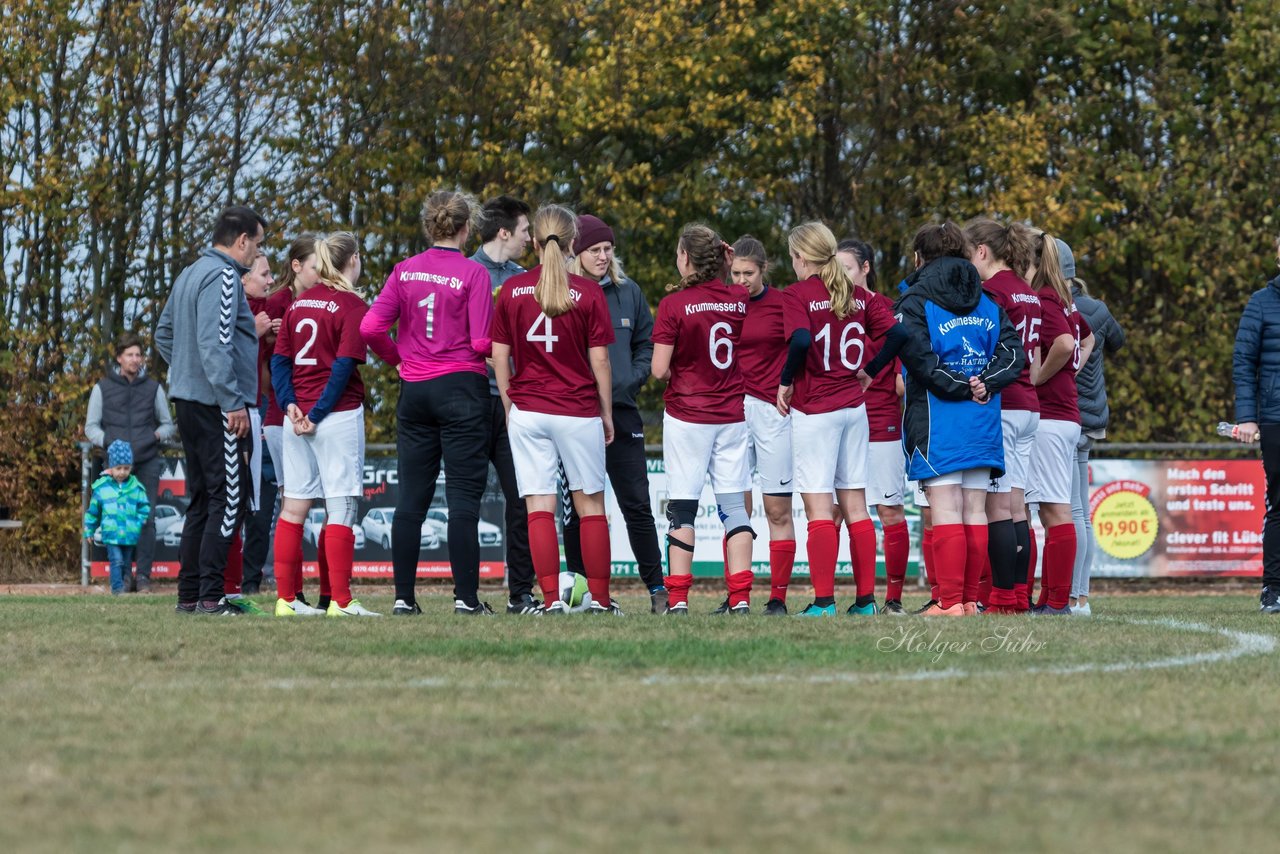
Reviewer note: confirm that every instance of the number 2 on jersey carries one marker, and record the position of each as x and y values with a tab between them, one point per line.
301	357
546	338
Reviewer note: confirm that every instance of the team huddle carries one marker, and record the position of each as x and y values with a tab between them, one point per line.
963	386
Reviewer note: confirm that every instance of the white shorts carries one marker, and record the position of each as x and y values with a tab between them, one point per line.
275	447
769	446
691	451
917	491
1052	462
967	479
330	462
255	458
886	473
830	449
540	442
1019	430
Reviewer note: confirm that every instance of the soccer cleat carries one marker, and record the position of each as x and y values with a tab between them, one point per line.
1047	611
247	606
775	608
221	608
353	609
1269	603
867	610
481	609
813	609
403	609
185	608
296	608
1082	610
611	608
722	609
919	612
303	599
741	609
143	584
679	609
935	609
659	601
525	604
970	609
1001	610
893	608
556	609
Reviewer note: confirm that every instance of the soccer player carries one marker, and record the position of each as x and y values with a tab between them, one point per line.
829	321
558	403
317	382
696	338
762	351
443	303
886	464
1065	343
961	352
1002	255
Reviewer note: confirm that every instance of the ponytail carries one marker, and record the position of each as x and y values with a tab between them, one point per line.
708	256
554	228
328	271
1011	244
815	243
1048	270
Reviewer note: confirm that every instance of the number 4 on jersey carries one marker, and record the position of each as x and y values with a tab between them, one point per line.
540	332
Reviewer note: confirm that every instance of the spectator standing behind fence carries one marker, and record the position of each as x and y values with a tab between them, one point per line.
118	509
1256	371
127	404
1094	413
206	334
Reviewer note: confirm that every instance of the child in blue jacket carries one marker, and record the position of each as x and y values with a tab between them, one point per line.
117	510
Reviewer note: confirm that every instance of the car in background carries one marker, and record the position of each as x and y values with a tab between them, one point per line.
315	521
376	528
168	518
489	533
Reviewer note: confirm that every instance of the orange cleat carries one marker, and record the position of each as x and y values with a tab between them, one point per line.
936	610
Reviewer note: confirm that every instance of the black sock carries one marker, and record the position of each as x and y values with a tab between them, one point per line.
323	603
824	601
1022	535
1002	548
863	601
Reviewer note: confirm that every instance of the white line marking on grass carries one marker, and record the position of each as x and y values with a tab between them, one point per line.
1242	644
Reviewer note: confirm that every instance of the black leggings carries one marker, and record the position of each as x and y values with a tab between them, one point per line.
444	418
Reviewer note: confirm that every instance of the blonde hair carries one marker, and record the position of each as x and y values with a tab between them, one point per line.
707	256
1048	270
328	251
446	213
554	228
615	271
815	243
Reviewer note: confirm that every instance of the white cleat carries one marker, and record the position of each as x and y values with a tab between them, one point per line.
296	608
353	609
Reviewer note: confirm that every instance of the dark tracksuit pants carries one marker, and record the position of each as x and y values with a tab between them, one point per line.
624	461
443	419
1271	524
219	488
520	575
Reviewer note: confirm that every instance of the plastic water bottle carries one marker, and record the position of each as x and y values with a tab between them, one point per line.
1227	429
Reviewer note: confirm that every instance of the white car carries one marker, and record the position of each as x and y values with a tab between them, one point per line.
489	533
315	521
377	529
168	518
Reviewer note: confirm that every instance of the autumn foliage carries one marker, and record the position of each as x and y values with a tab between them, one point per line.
1143	134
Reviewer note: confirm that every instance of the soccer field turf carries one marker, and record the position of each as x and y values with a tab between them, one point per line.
1150	726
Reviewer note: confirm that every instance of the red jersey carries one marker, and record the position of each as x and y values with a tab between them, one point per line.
1058	397
321	326
552	366
828	380
762	350
704	324
276	305
1023	307
884	406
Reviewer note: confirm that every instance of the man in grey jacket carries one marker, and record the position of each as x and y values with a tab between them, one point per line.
206	334
126	404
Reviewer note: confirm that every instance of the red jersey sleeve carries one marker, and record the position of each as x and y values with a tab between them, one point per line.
350	341
795	315
284	340
500	327
1085	329
599	323
880	317
666	324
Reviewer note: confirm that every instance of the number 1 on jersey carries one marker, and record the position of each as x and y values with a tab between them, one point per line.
546	338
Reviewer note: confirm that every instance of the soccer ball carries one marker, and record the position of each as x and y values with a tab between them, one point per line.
573	591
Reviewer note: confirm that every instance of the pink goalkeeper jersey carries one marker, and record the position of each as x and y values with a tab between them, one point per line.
443	303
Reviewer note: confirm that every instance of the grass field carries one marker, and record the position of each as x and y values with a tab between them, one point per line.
1151	726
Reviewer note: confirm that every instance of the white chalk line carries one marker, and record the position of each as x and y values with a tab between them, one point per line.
1242	645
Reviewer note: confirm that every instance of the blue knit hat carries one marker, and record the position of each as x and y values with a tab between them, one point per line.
119	454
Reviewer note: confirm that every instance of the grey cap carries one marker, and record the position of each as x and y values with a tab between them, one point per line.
1066	260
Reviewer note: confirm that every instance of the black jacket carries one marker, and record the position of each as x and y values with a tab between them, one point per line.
631	352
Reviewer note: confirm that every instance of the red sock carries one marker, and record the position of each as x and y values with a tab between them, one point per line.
782	558
288	559
862	552
897	546
975	556
948	565
338	545
1022	590
322	566
984	582
678	586
823	548
234	573
930	566
1059	561
740	587
596	562
545	552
